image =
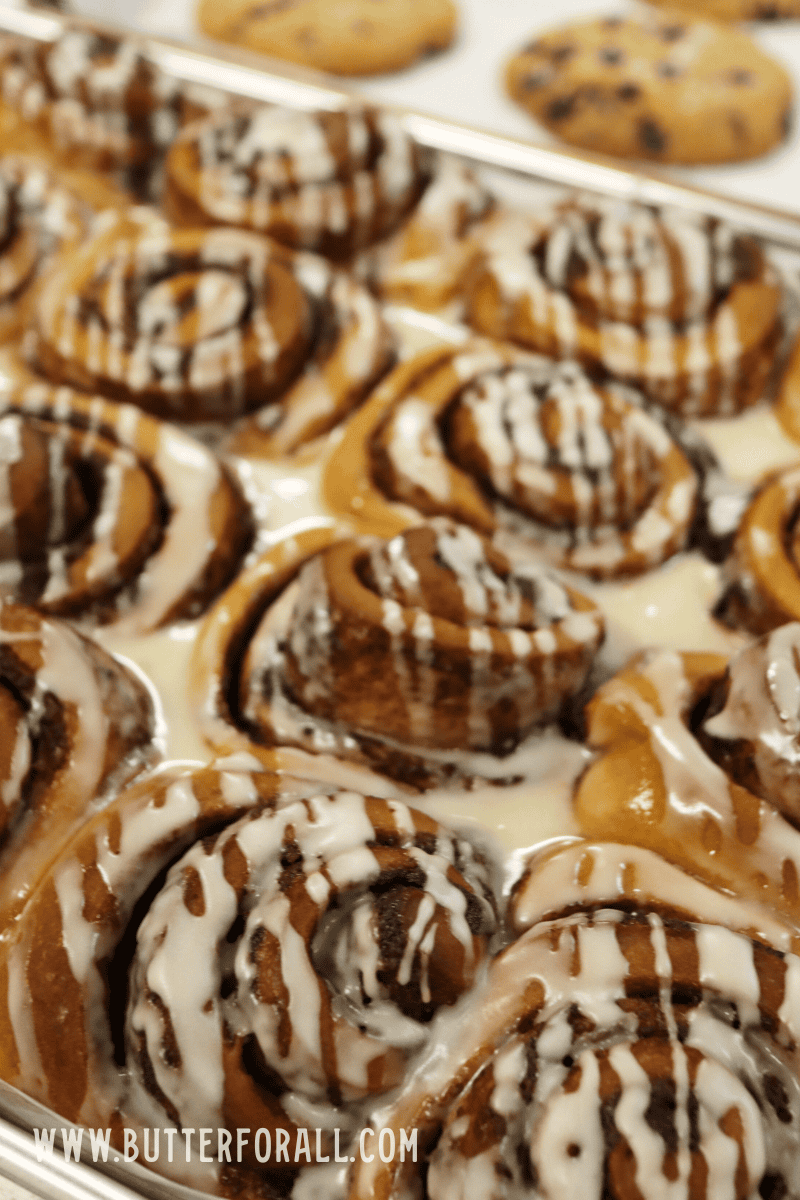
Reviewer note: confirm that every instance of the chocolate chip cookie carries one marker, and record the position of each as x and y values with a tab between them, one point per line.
350	37
737	10
657	87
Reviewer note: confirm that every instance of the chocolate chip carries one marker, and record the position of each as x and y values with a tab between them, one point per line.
738	77
652	136
738	126
667	70
629	91
671	33
531	83
560	108
611	55
612	22
561	54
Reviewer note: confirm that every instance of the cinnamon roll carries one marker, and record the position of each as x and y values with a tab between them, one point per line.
679	305
763	572
698	760
201	324
38	218
611	1055
526	450
229	950
94	100
76	725
426	658
332	182
110	514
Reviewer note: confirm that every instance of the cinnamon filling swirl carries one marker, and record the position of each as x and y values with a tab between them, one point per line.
332	182
279	950
610	1055
110	514
402	655
208	325
683	307
527	451
76	726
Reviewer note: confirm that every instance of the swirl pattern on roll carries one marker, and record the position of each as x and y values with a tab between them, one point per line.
332	182
37	219
697	760
76	725
95	97
111	514
526	450
419	656
292	944
763	572
611	1054
681	306
209	324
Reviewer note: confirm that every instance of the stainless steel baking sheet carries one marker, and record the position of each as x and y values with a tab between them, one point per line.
242	74
511	161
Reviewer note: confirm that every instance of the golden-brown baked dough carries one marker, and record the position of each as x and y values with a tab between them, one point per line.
683	307
111	514
208	324
350	37
302	938
416	657
526	450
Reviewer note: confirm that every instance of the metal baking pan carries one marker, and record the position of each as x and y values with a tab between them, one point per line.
240	74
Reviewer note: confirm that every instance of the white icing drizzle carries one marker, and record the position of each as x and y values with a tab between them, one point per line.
328	181
595	481
656	286
188	981
120	442
519	634
702	1093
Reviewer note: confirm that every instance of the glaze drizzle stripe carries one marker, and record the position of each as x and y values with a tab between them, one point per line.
655	785
192	490
523	449
552	1080
326	181
682	306
302	874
